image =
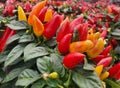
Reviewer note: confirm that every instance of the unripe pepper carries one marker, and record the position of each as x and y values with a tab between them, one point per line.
63	45
64	29
113	70
105	61
81	46
97	49
72	59
104	75
38	27
41	15
53	75
21	14
52	26
98	69
35	11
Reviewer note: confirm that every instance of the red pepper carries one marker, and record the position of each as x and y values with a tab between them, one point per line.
98	58
106	51
41	15
83	31
116	17
104	34
72	59
114	42
75	22
27	6
107	25
113	70
63	31
105	62
52	26
64	43
6	35
117	75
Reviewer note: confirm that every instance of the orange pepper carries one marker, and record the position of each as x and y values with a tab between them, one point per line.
104	75
81	46
38	27
35	11
48	15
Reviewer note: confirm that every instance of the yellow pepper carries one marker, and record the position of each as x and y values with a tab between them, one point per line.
81	46
48	15
104	75
54	75
38	27
97	49
21	14
98	69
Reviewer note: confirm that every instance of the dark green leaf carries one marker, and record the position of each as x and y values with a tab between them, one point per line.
13	74
57	65
17	25
34	52
3	56
39	84
86	79
112	83
44	65
13	38
52	83
26	38
88	66
27	77
15	53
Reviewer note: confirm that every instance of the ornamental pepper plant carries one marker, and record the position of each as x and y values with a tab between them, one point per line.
59	44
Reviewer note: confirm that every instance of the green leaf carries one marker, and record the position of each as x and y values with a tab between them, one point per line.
88	66
52	83
34	52
112	83
26	38
3	56
17	25
44	65
39	84
15	53
13	74
57	65
13	38
27	77
86	79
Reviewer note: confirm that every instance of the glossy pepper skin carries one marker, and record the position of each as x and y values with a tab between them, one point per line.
104	75
64	29
103	34
38	27
41	14
5	36
98	69
105	61
21	14
75	22
81	46
83	31
52	26
35	11
106	50
63	45
48	15
97	49
113	70
72	59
